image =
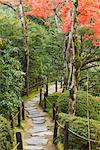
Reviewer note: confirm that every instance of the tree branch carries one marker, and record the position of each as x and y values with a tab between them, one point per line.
88	67
90	61
8	4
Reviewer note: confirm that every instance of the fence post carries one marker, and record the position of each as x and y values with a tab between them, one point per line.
42	83
19	141
46	89
56	89
53	111
37	84
97	138
40	95
66	132
45	105
19	117
23	111
12	120
55	126
61	83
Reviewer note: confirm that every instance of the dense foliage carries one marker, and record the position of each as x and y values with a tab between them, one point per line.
11	81
6	135
81	105
80	126
46	56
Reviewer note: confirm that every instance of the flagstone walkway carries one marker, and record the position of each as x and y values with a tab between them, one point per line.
38	136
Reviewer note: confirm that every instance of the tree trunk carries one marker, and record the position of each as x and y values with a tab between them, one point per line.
65	68
47	88
72	100
71	61
73	92
26	48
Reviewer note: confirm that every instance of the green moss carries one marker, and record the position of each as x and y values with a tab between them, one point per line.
6	135
60	146
32	94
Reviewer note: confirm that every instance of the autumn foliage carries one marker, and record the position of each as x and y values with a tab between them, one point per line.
88	13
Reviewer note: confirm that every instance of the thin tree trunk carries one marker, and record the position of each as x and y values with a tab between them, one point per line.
26	48
65	68
47	88
71	52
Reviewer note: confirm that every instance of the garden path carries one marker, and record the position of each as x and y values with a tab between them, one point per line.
39	134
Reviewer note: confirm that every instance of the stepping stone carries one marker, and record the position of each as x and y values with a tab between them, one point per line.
36	115
47	133
32	112
33	147
37	141
30	105
31	108
38	129
39	118
39	121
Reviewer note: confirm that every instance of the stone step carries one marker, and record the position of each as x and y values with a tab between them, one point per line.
42	121
33	147
36	141
38	129
45	133
36	115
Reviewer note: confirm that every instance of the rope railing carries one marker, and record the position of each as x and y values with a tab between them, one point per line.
74	133
82	137
19	115
16	146
16	115
50	104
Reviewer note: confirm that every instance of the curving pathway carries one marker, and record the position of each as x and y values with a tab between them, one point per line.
39	135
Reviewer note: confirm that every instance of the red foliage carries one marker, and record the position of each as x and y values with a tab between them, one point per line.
88	13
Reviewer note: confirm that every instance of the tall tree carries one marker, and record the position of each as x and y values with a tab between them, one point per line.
26	48
73	15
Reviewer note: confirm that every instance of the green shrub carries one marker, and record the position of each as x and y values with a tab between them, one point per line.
80	126
6	135
81	105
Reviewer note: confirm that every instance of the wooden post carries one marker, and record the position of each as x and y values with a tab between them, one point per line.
98	139
66	136
12	121
40	95
53	111
19	141
46	89
45	105
42	83
61	83
56	89
57	109
19	117
23	111
37	85
55	126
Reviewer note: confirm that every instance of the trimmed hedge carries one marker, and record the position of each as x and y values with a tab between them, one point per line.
6	135
81	105
80	126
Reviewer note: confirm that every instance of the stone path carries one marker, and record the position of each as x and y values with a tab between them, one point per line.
39	135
